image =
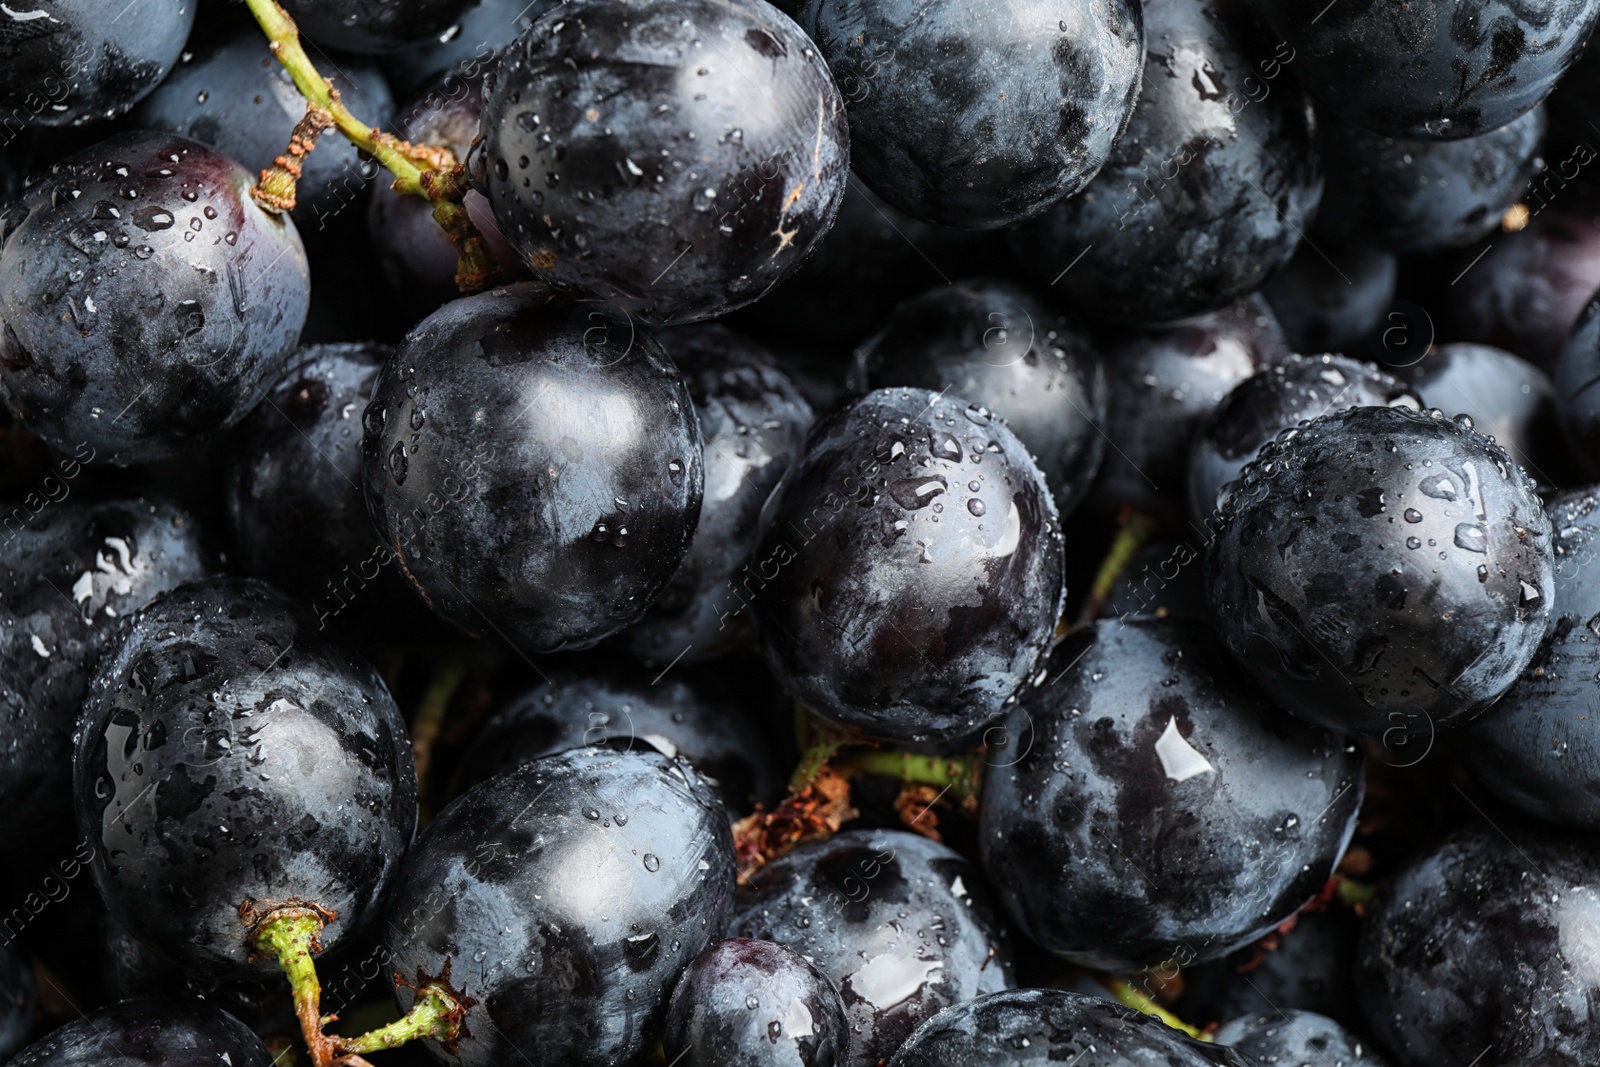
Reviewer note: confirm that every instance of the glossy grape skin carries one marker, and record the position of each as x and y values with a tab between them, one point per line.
1275	399
754	421
911	571
1426	72
1406	195
279	766
164	1032
1311	970
711	724
899	924
1484	946
1327	298
1506	398
536	468
1205	194
1039	1027
797	1019
70	573
1161	384
18	998
570	894
134	324
468	48
373	26
1539	748
682	158
295	505
1577	372
992	343
1110	850
1383	572
237	97
980	114
1526	293
74	61
1289	1038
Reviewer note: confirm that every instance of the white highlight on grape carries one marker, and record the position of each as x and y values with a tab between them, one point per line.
1178	758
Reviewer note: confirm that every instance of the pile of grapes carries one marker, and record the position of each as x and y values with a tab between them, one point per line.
821	533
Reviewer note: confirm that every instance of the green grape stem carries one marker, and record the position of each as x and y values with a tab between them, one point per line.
422	170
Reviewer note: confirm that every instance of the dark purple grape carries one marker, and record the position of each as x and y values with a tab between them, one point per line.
1159	808
1051	1027
678	159
754	421
295	504
1539	748
1275	399
71	572
899	924
980	114
1526	293
236	97
228	754
747	1003
1161	385
537	469
911	572
715	726
164	1032
1507	398
1383	572
146	302
1441	74
1205	194
369	26
567	896
1290	1036
18	998
1330	297
77	61
1405	195
465	50
1484	947
993	343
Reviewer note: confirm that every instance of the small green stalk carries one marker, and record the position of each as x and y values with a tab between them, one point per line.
447	678
289	935
1128	995
436	1014
406	162
819	744
1354	894
960	775
419	169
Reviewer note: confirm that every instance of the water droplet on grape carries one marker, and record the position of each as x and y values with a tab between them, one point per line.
1470	536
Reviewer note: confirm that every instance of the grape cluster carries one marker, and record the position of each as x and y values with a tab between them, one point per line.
809	533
